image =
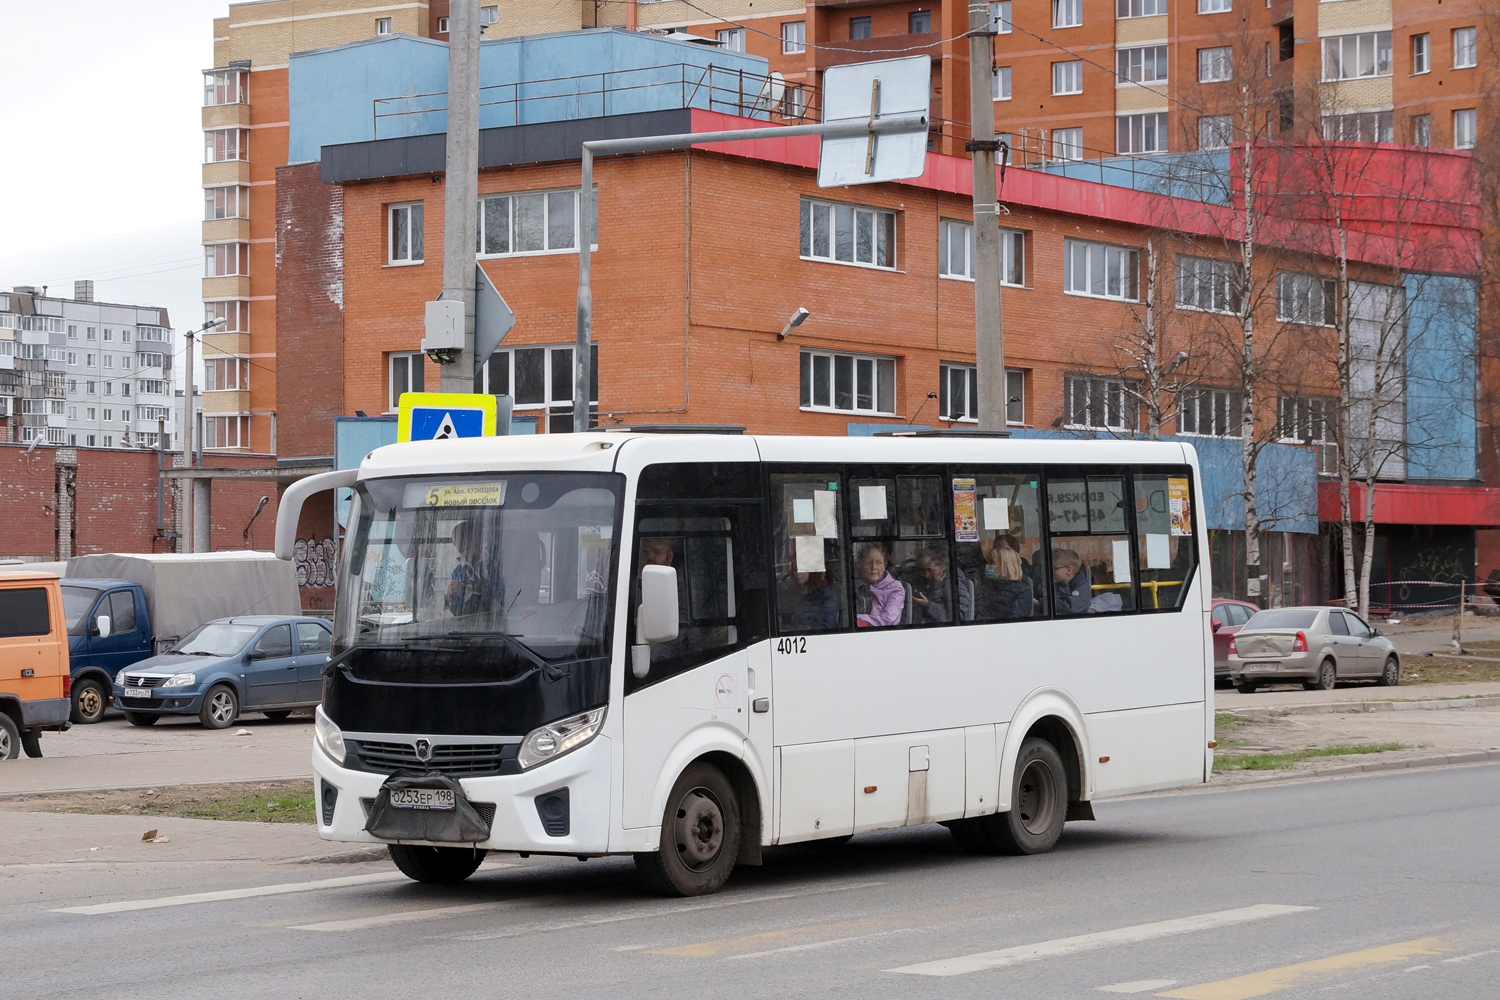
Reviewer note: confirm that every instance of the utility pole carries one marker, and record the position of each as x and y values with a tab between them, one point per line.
989	339
583	353
190	449
461	184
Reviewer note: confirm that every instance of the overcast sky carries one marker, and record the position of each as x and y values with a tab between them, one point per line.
101	128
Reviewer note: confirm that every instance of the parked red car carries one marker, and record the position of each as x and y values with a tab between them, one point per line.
1228	618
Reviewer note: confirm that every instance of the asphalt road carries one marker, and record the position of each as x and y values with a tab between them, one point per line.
1372	887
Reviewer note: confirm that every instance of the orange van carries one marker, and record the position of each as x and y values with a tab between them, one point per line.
34	679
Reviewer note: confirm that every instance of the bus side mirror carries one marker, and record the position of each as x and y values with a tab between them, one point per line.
656	619
101	626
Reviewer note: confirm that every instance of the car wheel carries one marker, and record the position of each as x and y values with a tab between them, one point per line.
1247	687
1220	683
221	706
281	715
1391	675
10	738
1328	676
89	702
700	836
141	719
439	865
1038	807
31	742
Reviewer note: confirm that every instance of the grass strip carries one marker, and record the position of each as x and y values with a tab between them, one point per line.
257	802
1281	761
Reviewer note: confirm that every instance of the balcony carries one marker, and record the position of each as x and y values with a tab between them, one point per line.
226	288
226	116
226	172
858	50
226	401
226	230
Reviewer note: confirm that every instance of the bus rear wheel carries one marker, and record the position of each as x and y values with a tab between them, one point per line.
700	836
1038	807
440	865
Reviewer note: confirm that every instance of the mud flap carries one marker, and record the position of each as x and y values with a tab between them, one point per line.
460	825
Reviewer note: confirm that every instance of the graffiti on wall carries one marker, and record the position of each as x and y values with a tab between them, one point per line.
1441	564
315	562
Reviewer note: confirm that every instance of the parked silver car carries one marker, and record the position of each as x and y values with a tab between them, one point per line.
1317	646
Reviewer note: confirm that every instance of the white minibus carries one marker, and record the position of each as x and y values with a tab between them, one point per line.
688	647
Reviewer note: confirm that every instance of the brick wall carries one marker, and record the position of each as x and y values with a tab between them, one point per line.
310	309
28	498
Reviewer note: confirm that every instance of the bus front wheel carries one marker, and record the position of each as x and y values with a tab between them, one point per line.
700	836
1038	806
440	865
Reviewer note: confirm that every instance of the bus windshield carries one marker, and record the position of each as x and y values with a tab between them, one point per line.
478	577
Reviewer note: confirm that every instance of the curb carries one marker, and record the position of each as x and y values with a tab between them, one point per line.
1358	707
1437	760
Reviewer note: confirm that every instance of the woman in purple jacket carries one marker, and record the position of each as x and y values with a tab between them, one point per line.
886	595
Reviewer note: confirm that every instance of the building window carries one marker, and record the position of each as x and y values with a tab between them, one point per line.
1000	83
793	37
91	387
223	144
226	203
1067	13
125	362
155	386
956	252
1214	6
72	357
1216	65
72	331
226	260
109	335
859	27
1209	412
540	379
1067	77
848	383
1208	285
1465	125
1143	64
125	336
1310	420
1067	143
958	393
406	375
1000	17
226	432
1140	8
1356	57
382	26
1421	53
1100	270
72	413
536	222
89	360
848	234
1092	403
793	101
1465	48
1302	298
406	233
124	388
90	333
1215	131
234	312
442	26
224	86
732	39
109	361
93	413
109	389
1421	130
1363	126
488	16
222	374
1144	133
919	22
91	438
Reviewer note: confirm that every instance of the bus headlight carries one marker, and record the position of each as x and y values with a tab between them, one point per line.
557	738
328	735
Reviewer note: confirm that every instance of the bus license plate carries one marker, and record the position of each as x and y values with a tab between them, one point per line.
422	798
137	692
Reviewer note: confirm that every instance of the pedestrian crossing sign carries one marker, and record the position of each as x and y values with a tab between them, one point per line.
438	416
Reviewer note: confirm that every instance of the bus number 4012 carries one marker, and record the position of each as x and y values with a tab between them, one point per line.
797	644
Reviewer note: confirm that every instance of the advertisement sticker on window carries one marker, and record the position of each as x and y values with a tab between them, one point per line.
965	519
1180	507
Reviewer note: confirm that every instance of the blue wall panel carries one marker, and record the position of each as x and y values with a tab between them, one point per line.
1441	424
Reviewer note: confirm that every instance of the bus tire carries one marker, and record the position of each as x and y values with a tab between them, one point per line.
438	865
1039	805
700	836
969	835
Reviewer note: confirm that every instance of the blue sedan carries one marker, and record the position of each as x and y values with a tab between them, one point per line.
259	663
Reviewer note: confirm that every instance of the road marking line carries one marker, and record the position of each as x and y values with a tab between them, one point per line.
631	947
1103	939
1258	984
814	945
1139	986
213	897
1415	968
644	913
402	917
1472	955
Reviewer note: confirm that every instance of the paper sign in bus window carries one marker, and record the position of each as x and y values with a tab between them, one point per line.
872	503
825	516
802	511
965	521
996	514
1158	553
1121	560
810	554
1180	507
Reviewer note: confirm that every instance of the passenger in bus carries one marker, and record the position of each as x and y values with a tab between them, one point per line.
807	603
475	581
1071	588
1006	592
881	595
932	596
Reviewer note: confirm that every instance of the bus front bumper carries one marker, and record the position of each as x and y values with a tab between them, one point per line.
517	823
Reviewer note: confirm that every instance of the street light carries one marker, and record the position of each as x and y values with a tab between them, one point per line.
189	440
792	324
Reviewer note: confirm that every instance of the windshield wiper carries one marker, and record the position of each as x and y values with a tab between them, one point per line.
510	638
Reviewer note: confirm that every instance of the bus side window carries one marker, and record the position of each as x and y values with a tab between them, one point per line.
1165	547
998	557
812	580
1091	561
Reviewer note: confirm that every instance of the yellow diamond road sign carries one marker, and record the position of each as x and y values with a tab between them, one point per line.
437	416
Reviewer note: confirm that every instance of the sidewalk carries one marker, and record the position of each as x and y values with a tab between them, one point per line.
1230	700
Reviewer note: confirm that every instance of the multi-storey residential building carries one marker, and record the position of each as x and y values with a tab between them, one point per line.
81	373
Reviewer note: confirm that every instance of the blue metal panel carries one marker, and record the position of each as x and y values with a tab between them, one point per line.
1192	176
1441	422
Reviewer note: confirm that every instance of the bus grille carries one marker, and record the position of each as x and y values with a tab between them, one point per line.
451	758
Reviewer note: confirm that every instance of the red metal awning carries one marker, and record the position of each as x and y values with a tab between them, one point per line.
1399	503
